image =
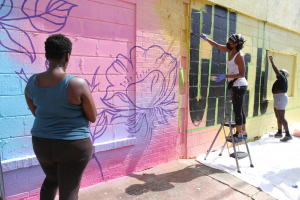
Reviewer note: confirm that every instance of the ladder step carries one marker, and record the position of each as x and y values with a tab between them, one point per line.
228	139
216	148
233	125
240	155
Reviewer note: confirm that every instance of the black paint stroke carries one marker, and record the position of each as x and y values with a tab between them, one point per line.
263	90
196	107
218	67
257	81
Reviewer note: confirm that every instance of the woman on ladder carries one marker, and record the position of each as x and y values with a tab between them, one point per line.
236	76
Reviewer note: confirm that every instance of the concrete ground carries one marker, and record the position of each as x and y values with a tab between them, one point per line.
179	179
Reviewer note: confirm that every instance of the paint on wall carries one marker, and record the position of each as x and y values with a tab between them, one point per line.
55	13
213	95
136	88
197	106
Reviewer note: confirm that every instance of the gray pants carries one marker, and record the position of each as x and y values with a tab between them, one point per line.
63	162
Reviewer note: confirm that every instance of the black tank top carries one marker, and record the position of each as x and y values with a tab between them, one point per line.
281	83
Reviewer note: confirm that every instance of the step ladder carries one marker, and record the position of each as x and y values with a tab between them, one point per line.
236	154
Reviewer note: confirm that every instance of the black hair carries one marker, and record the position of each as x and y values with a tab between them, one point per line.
239	39
57	46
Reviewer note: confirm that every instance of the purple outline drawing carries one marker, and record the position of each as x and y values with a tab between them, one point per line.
161	91
161	87
54	6
156	112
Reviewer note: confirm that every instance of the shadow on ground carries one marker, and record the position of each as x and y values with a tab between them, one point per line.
163	182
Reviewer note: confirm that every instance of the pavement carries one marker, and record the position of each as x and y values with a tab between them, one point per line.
180	179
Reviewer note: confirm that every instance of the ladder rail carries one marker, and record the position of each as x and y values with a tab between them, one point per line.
228	119
232	139
212	144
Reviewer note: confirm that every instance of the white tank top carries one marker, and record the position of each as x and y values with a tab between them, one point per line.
233	69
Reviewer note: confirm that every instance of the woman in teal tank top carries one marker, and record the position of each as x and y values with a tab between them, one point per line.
63	107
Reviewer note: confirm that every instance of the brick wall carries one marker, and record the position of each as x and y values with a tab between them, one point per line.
128	51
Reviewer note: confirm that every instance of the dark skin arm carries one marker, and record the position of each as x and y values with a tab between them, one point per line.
218	46
78	92
30	104
277	72
274	66
239	59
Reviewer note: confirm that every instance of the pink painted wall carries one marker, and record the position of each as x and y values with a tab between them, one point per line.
124	50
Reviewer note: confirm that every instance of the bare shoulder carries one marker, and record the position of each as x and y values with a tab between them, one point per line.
239	58
77	82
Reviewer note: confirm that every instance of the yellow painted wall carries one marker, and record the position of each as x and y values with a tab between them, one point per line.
273	26
284	13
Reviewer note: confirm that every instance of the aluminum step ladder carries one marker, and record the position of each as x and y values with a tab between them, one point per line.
236	154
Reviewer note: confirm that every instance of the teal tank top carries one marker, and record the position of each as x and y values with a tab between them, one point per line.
56	116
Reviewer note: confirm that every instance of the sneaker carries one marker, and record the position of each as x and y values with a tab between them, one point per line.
235	139
243	135
286	138
278	135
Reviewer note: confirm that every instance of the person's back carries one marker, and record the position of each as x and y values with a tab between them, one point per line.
56	116
63	106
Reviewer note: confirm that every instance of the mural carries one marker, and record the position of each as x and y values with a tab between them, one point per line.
209	97
162	106
120	104
55	14
122	108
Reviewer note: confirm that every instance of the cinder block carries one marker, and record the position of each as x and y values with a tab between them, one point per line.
11	127
18	196
11	194
84	9
112	48
12	106
17	147
90	64
28	123
10	85
98	29
74	22
89	46
124	33
36	179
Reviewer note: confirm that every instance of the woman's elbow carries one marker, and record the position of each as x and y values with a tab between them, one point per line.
93	118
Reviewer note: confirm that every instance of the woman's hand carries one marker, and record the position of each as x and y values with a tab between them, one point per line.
221	77
203	36
274	66
271	58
